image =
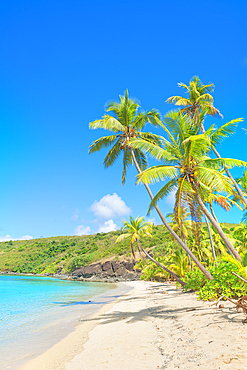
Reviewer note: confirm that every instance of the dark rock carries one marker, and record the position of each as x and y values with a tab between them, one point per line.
115	265
121	271
109	271
106	266
129	265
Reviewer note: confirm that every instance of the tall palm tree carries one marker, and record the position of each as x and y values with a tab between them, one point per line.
188	167
127	123
200	100
137	228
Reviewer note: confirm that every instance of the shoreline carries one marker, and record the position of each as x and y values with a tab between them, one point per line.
55	324
62	352
153	326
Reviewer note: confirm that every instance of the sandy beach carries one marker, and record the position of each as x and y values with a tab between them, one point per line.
153	326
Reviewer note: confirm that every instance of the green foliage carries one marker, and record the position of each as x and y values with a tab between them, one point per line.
194	280
151	271
224	282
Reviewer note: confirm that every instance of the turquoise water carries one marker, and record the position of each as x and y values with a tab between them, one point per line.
36	312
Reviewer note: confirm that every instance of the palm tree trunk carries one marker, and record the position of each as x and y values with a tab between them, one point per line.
211	239
132	251
191	265
212	211
215	224
239	191
159	264
176	237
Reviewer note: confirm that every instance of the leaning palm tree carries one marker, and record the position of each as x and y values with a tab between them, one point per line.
188	167
135	229
126	124
200	100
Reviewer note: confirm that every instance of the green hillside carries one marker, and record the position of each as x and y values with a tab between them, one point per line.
65	253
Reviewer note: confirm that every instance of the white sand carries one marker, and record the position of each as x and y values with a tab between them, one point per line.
152	327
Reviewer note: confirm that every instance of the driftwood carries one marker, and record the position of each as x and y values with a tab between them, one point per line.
234	273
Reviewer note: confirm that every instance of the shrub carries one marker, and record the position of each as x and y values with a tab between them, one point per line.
224	283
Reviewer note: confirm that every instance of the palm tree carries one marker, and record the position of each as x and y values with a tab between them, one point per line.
126	124
137	228
187	164
179	262
200	100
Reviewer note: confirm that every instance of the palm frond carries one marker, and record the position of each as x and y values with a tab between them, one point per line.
227	162
108	123
224	131
169	187
103	142
141	159
113	154
178	100
153	149
157	173
213	179
142	118
152	138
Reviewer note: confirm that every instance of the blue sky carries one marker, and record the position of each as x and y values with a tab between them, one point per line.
61	61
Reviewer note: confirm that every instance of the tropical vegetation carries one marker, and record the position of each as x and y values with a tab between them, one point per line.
191	247
191	168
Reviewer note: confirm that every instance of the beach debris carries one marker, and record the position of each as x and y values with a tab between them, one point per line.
240	277
240	303
190	309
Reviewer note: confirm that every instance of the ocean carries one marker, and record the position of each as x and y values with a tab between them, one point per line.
37	312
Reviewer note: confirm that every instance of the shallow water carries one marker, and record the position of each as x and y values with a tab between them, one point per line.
37	312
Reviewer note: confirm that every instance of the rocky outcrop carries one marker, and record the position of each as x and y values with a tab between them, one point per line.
108	271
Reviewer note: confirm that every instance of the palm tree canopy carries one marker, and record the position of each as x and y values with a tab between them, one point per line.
198	98
185	157
135	229
126	122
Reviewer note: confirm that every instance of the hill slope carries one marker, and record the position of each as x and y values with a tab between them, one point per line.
65	253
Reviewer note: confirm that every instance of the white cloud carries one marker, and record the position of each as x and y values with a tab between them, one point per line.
75	216
107	227
153	220
8	238
109	207
82	230
170	199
